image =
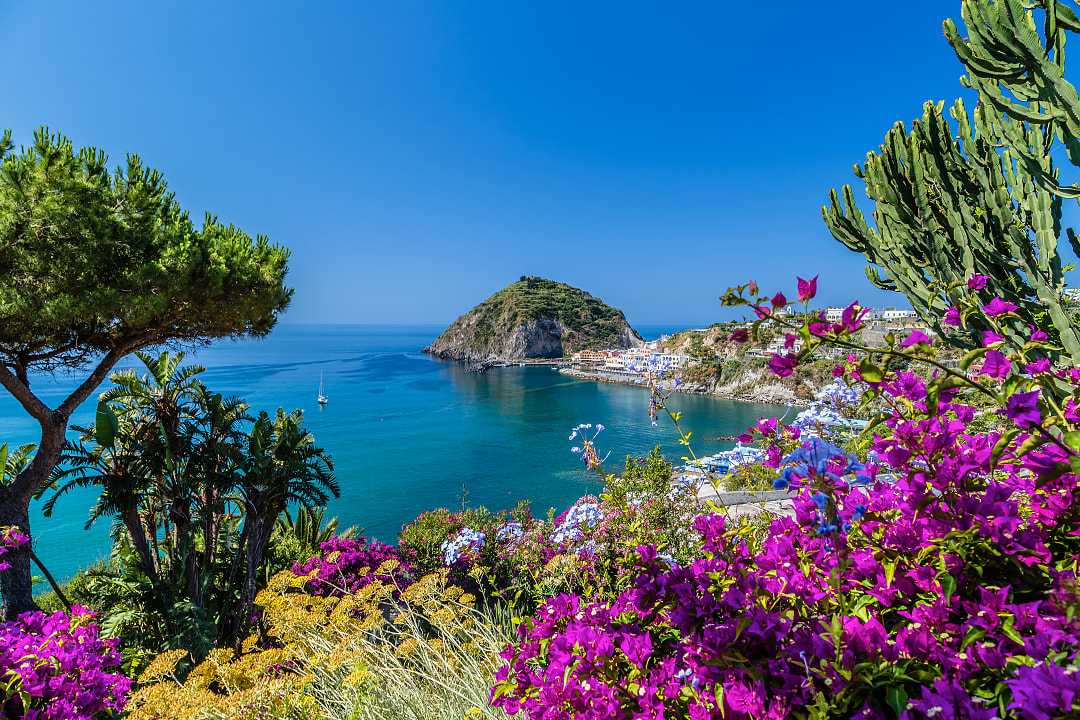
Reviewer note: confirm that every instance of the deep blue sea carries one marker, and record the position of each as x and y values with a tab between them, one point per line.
407	433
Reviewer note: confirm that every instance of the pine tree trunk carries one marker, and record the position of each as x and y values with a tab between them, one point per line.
16	584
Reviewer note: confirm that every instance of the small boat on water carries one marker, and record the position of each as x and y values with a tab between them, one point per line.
321	397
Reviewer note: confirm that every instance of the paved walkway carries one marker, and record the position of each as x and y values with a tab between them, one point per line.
743	502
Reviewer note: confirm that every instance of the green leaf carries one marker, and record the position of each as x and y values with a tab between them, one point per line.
897	698
1072	439
1002	443
948	585
1030	444
869	371
3	462
972	356
890	572
105	425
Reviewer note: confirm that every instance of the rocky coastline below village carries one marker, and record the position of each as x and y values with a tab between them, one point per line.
754	386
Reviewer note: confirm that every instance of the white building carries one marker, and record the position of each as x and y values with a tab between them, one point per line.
893	315
834	314
642	361
779	346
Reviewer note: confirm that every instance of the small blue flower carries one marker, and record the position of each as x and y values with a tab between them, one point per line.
466	539
509	531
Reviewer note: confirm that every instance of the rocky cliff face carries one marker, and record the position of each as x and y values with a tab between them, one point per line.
534	318
726	369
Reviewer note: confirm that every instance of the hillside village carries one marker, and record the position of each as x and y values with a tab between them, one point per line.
672	356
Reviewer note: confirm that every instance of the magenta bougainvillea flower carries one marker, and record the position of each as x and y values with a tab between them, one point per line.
58	667
778	300
851	318
344	565
11	538
916	337
977	282
782	365
938	578
1045	691
740	335
1038	367
997	306
807	289
952	317
995	364
1023	409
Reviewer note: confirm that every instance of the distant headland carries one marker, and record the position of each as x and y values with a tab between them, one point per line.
534	318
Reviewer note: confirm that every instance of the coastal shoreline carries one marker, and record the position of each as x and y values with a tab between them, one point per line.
639	381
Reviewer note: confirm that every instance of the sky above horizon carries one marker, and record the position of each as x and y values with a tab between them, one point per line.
418	156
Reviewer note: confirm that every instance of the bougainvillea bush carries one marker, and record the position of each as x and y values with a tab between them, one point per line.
933	578
513	558
57	667
344	565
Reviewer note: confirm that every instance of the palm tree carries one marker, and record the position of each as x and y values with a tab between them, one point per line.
14	461
308	528
215	439
116	464
157	406
283	465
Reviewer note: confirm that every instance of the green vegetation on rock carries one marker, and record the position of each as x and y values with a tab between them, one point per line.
535	317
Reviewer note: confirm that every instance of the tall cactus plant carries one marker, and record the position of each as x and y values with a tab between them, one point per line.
984	198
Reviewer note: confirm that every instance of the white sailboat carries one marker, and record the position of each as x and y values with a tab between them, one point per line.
321	397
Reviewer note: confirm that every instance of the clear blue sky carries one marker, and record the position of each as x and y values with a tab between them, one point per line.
416	156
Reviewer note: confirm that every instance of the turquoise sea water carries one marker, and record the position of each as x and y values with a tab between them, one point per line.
407	432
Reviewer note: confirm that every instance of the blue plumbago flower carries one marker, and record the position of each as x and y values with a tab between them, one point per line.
839	395
510	531
818	415
466	539
587	449
813	452
586	514
565	533
814	457
588	548
685	481
581	428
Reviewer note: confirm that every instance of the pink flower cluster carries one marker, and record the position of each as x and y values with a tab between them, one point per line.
57	667
11	538
345	565
939	581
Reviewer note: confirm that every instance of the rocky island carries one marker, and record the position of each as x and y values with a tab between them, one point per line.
534	318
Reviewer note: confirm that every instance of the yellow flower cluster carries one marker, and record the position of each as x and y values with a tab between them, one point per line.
315	654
